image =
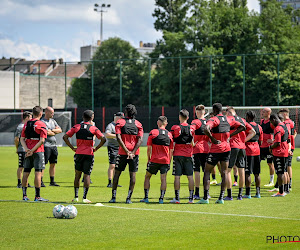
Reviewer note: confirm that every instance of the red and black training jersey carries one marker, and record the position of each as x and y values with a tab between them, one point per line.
33	130
220	128
200	139
268	132
252	146
84	137
161	141
292	126
238	141
183	137
281	135
130	130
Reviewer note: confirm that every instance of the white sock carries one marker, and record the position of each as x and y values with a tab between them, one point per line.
272	178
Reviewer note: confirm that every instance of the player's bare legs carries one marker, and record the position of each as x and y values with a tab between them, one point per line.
235	174
76	184
191	187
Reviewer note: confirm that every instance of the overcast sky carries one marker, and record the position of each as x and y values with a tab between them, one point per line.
40	29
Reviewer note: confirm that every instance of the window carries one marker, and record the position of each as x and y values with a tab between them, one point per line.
50	102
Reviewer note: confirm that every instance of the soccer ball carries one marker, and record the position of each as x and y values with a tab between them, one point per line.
70	212
298	158
58	211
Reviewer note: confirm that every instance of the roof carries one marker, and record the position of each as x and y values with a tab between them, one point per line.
43	64
73	70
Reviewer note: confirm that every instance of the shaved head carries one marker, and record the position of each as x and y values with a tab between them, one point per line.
49	112
266	112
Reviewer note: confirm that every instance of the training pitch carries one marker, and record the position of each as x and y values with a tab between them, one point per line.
246	224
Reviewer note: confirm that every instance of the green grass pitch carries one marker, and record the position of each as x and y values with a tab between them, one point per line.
31	225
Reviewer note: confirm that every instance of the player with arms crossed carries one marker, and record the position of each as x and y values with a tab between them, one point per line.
201	147
253	156
20	150
218	130
84	153
182	156
33	137
238	153
159	152
280	151
129	132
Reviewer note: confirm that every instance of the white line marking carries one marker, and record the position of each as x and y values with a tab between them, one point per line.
198	212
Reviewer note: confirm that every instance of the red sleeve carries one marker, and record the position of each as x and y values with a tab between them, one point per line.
119	125
197	124
213	122
234	124
140	128
248	127
277	134
272	126
23	131
41	129
149	141
174	131
261	134
95	131
73	130
172	142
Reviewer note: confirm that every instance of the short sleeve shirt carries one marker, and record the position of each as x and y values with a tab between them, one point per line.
238	141
18	133
182	149
50	124
252	148
282	150
201	141
111	142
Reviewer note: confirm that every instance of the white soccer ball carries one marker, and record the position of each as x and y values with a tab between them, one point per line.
298	158
70	212
58	211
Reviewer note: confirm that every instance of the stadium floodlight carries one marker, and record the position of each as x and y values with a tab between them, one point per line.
99	9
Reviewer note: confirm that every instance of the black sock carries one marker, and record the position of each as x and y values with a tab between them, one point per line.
146	191
240	192
177	194
205	194
221	197
213	176
248	190
129	194
287	188
276	184
76	189
19	181
114	193
290	182
191	195
257	190
236	178
281	189
109	181
162	194
24	191
229	192
51	179
85	191
197	191
37	192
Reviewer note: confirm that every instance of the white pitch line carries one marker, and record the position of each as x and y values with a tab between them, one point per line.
198	212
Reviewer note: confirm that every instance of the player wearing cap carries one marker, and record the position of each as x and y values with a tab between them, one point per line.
238	153
112	146
267	141
129	132
253	156
280	151
20	150
84	153
218	130
201	147
33	137
159	152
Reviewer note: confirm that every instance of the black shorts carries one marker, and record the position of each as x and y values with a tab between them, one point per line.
112	154
51	154
183	165
36	161
280	164
289	160
122	162
253	165
199	160
237	158
84	163
153	168
265	154
21	156
214	158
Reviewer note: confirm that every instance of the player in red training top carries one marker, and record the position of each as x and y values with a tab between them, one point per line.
285	113
253	156
218	130
238	153
183	152
159	152
84	153
129	133
33	137
201	147
267	141
280	150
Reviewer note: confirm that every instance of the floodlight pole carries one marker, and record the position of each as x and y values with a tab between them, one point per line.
99	8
